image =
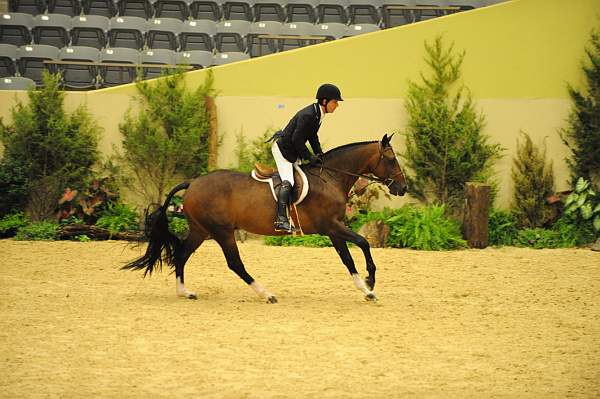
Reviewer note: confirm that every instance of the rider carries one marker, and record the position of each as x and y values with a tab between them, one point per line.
290	145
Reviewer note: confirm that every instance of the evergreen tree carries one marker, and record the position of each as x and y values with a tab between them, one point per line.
582	135
533	182
169	138
46	151
445	146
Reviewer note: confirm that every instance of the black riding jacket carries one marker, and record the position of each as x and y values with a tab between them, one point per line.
302	127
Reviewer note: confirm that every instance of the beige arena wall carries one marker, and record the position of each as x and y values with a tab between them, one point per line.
520	55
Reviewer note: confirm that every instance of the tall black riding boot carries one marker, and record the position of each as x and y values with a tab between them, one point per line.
282	223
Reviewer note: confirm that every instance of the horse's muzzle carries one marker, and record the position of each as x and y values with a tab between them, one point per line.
397	189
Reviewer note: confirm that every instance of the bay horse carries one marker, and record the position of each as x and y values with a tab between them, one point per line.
218	203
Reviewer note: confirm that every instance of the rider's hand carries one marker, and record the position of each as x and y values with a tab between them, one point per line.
316	160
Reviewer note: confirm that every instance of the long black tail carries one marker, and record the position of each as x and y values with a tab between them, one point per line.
162	244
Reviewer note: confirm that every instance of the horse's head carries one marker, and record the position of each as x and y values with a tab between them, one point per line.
387	168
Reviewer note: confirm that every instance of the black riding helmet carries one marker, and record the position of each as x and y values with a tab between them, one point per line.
328	92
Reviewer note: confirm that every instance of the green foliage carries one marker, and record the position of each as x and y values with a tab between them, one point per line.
178	226
539	238
45	151
309	240
82	238
11	223
502	228
533	181
582	135
257	151
169	137
445	146
424	229
40	231
583	204
119	218
364	202
573	231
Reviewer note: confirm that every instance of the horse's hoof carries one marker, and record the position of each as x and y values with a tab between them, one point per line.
271	299
370	297
192	296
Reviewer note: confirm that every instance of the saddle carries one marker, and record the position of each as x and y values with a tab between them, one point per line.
266	174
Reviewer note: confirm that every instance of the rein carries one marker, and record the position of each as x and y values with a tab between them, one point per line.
387	181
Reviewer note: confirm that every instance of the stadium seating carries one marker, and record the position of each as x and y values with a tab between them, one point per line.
197	58
230	36
268	10
296	29
206	9
31	7
51	29
197	35
179	9
105	8
127	32
89	30
258	46
332	30
364	12
332	11
163	33
238	10
135	8
301	11
395	13
357	29
226	58
116	75
30	61
66	7
158	57
79	77
16	83
8	57
16	28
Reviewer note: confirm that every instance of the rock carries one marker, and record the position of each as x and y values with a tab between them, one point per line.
596	245
375	232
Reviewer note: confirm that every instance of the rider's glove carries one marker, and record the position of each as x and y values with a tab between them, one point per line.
316	160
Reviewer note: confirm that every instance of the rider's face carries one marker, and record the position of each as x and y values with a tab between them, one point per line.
331	106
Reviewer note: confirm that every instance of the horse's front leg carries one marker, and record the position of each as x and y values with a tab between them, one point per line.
342	250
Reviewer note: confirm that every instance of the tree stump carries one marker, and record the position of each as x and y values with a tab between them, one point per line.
475	222
376	232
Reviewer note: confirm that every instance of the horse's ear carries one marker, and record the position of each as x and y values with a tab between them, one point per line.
385	141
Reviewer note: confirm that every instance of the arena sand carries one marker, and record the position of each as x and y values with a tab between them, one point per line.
494	323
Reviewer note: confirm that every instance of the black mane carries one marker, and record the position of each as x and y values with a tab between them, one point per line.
348	146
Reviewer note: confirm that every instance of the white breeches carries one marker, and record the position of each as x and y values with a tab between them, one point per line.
285	167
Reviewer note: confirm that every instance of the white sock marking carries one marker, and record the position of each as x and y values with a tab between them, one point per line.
360	284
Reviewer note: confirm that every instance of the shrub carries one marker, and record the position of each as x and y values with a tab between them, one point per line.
87	205
178	226
11	223
502	228
582	135
118	218
539	238
424	229
533	181
46	150
445	146
584	204
38	232
258	150
169	138
309	240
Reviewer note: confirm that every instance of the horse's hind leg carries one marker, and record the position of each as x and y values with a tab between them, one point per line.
191	243
226	240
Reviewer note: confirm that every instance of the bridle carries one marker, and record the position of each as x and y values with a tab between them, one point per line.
386	181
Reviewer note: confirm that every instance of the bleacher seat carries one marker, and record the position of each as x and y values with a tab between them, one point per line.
423	15
127	32
89	30
197	58
230	36
117	75
158	57
332	30
364	12
51	29
31	7
179	9
466	4
229	57
163	33
332	11
268	10
197	35
105	8
135	8
79	77
397	16
15	28
357	29
301	10
66	7
256	46
238	10
8	57
16	83
296	29
30	61
206	9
